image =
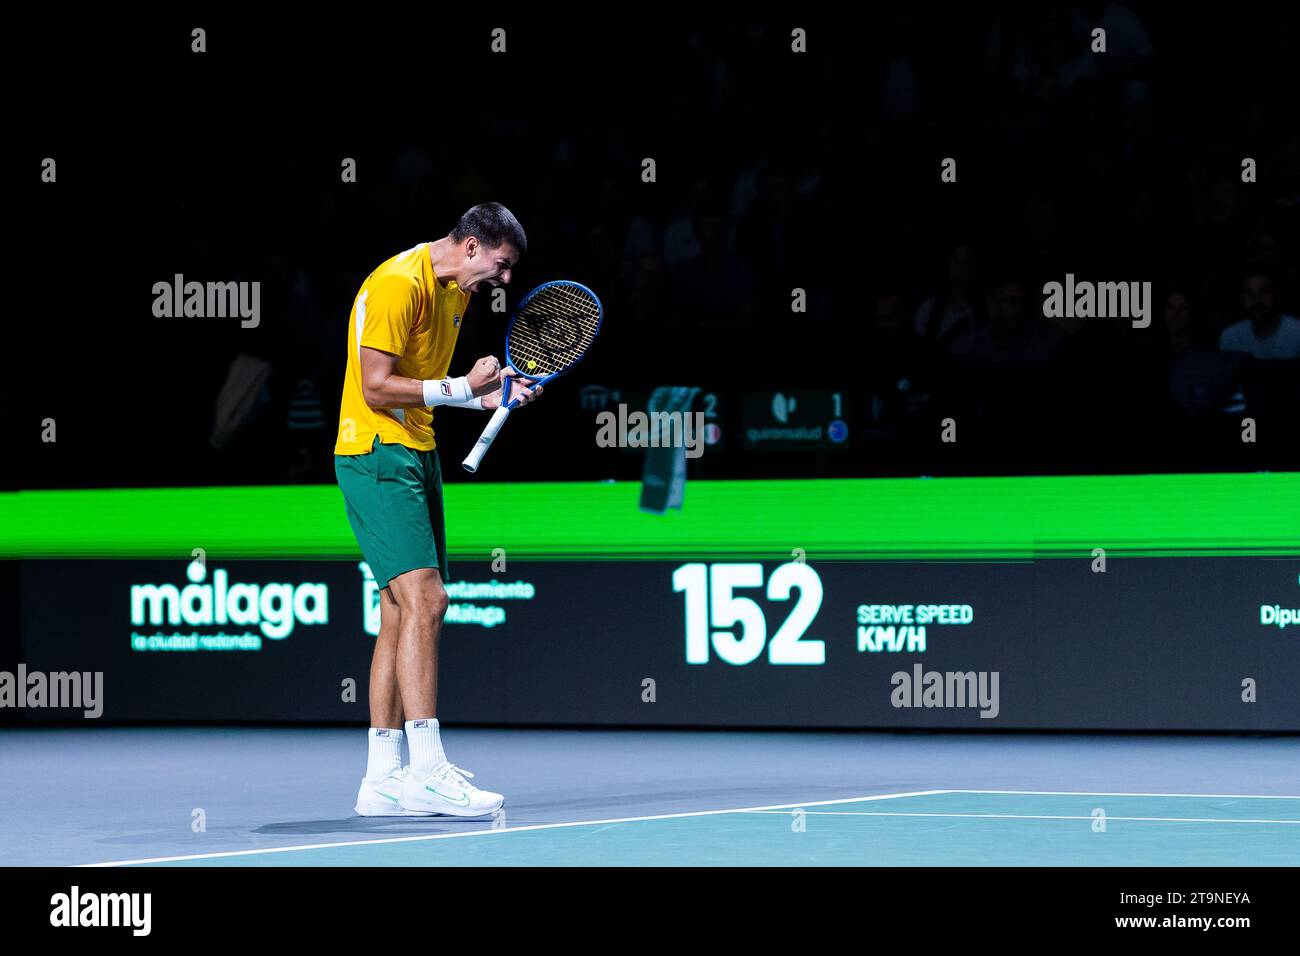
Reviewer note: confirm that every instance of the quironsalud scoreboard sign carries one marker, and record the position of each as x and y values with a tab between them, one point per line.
795	420
1150	602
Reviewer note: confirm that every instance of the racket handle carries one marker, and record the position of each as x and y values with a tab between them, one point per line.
484	440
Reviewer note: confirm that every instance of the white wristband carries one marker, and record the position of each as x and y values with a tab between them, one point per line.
447	391
475	402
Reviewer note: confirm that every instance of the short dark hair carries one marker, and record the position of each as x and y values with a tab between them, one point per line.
1252	269
493	224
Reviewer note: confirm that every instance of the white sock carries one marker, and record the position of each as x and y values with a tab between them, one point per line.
385	753
426	746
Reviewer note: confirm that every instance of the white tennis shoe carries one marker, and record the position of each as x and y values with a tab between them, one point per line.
382	799
448	791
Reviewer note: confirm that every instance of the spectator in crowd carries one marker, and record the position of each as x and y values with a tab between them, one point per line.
1265	332
1127	43
1015	331
647	302
1201	379
1184	329
681	241
893	359
717	288
771	237
957	307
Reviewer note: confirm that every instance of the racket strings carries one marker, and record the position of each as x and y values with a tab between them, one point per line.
553	330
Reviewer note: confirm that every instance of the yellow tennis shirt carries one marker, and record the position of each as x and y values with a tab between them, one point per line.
404	310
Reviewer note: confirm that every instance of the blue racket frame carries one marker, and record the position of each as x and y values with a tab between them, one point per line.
513	403
508	404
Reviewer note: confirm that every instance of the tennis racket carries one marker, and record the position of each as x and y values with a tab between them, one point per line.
550	332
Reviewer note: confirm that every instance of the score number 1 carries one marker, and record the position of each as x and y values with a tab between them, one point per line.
710	602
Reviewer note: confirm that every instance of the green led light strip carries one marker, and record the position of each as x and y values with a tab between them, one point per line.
889	518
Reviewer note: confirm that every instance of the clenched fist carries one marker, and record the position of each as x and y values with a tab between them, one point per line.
520	389
485	376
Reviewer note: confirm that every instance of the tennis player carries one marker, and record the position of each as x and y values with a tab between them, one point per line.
401	336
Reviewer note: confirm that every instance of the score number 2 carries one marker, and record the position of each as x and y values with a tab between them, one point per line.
709	595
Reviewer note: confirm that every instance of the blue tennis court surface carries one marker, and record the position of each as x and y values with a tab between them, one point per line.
953	828
265	797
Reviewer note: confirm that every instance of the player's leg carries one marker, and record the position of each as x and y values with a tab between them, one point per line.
381	787
434	783
361	479
422	604
385	692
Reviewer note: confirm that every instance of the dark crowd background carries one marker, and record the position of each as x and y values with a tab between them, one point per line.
774	171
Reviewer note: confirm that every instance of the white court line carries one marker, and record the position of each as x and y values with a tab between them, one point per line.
1024	816
1093	793
536	826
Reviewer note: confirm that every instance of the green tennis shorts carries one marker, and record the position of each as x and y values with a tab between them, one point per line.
394	499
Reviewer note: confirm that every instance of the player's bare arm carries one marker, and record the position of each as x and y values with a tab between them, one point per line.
382	387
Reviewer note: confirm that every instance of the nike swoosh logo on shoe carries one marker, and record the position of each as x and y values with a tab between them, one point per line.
462	802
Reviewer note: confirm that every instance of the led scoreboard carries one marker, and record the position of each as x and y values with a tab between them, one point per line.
894	603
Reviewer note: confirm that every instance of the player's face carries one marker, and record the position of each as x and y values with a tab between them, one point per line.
488	268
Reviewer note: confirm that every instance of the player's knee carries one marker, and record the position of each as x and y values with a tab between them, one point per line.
420	595
438	601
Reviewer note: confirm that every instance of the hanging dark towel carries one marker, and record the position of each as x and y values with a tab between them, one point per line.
663	481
